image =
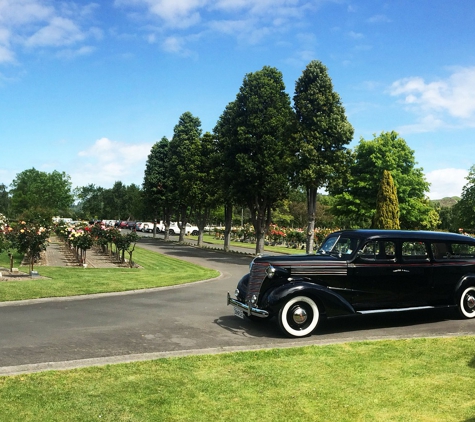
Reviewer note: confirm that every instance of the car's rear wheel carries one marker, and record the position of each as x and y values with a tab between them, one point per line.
299	316
467	302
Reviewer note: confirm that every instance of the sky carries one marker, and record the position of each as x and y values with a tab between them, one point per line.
87	88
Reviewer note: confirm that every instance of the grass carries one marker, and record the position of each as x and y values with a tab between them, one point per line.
156	271
210	239
416	380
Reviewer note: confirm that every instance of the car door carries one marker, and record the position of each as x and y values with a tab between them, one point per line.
416	272
374	276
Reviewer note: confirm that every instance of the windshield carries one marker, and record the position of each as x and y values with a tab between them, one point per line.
341	247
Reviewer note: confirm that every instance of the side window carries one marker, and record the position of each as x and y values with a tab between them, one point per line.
345	246
414	251
461	251
440	250
378	251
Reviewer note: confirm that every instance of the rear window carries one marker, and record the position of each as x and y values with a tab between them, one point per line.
451	250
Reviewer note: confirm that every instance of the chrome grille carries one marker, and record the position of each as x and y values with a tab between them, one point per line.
258	274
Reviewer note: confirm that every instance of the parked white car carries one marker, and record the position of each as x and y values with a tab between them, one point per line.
147	227
190	229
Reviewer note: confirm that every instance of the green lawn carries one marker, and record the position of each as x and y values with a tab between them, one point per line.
211	240
403	380
156	271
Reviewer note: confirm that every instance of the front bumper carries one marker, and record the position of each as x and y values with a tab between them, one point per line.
247	308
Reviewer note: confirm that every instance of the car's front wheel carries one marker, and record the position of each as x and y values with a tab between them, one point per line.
299	316
467	302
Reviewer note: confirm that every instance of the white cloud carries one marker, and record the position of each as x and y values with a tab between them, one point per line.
6	55
249	21
58	32
176	14
450	102
107	161
72	53
379	19
39	23
355	35
446	182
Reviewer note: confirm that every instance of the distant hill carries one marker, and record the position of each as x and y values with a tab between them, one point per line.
447	201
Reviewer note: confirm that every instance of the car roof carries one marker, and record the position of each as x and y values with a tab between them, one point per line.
407	234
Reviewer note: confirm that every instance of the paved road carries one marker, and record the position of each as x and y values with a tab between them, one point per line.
83	331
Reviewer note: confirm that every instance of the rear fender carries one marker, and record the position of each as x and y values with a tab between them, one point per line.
333	304
465	281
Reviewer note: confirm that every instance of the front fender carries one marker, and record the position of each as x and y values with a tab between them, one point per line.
333	304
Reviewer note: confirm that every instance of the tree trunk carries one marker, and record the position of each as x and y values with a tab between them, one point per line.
261	218
181	238
311	211
154	227
228	222
167	227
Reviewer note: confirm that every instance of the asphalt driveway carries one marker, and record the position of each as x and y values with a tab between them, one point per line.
92	330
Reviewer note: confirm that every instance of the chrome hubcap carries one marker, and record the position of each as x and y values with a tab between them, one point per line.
300	315
470	301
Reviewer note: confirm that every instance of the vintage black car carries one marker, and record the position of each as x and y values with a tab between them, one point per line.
360	271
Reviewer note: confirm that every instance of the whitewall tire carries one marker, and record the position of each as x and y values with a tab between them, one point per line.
299	316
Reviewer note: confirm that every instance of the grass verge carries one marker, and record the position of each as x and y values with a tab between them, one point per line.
156	271
416	380
211	240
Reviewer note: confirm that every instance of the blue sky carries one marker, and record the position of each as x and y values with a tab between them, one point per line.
88	87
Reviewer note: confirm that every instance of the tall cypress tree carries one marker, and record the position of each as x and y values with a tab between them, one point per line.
323	132
387	205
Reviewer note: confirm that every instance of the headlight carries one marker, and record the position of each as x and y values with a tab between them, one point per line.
236	293
270	271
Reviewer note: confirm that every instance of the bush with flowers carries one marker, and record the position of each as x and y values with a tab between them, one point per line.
126	243
81	240
6	238
29	239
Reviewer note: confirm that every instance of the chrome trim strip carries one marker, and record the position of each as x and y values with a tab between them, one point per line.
413	308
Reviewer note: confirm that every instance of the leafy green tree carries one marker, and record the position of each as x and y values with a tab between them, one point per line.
387	205
114	202
465	208
323	132
4	200
355	202
157	188
91	201
134	201
123	202
255	139
36	193
448	218
206	183
184	154
225	131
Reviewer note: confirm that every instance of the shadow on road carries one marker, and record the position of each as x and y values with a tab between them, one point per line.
396	321
186	251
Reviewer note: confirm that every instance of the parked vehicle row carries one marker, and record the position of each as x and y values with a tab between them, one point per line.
147	227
